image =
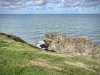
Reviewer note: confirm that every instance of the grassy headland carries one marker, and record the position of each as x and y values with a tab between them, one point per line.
17	57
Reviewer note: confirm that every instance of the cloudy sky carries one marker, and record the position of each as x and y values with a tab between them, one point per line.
49	6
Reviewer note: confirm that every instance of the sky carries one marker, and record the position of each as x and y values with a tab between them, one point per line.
49	6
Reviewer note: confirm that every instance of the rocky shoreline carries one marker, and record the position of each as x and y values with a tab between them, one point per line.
65	44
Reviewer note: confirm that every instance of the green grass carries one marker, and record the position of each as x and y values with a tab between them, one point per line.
73	70
16	54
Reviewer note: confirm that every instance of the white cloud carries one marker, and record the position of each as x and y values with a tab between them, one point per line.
40	2
30	3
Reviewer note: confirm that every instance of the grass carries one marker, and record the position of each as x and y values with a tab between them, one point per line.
73	70
18	57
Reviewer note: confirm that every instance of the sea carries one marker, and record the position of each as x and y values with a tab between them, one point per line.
32	27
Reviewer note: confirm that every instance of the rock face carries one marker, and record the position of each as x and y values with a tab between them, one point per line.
65	44
59	42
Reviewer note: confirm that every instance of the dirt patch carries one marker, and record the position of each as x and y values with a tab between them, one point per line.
81	65
58	54
42	64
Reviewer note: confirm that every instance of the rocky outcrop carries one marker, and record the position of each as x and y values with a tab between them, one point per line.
65	44
59	42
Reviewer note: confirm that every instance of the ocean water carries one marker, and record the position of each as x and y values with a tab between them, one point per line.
32	28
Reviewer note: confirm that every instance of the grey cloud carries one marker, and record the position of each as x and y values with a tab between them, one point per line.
44	2
54	1
40	8
15	0
82	3
50	8
11	0
4	4
14	4
36	2
62	3
44	8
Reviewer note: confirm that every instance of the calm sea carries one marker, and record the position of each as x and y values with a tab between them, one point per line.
31	28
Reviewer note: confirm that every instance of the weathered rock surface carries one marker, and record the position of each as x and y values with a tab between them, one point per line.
65	44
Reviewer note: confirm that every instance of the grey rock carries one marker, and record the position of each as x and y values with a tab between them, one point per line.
65	44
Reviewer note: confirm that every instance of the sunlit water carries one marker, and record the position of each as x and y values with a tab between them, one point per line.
31	28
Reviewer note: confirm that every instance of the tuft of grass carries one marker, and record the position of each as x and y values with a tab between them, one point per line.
3	43
94	58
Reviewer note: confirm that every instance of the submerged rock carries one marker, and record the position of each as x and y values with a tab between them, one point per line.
65	44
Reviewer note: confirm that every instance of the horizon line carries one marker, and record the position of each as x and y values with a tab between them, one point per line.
57	14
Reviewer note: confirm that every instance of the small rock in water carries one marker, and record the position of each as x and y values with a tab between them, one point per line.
41	44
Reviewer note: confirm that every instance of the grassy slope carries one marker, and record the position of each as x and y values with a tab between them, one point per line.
19	58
